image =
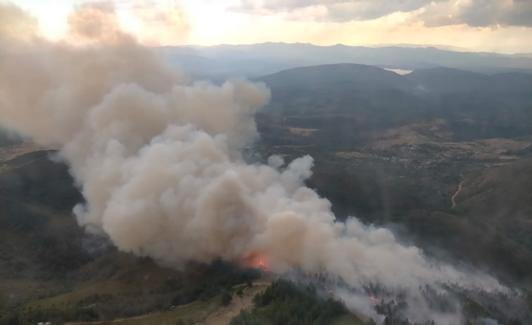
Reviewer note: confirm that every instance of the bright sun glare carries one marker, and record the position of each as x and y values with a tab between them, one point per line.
211	22
161	22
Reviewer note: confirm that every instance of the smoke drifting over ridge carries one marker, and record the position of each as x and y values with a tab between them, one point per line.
158	161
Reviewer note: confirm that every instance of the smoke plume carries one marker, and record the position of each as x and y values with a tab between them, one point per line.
158	160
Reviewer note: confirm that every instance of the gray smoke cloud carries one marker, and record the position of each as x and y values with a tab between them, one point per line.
158	161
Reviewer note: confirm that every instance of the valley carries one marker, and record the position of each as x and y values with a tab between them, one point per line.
438	179
266	162
428	165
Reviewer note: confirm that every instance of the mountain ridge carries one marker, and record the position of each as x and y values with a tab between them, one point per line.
254	60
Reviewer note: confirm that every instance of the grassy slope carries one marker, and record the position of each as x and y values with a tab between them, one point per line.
211	311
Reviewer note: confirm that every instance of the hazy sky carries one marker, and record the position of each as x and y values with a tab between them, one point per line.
486	25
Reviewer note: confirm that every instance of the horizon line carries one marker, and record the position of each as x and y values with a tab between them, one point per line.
448	48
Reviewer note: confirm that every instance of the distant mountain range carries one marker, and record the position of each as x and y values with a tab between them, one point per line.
434	80
255	60
362	99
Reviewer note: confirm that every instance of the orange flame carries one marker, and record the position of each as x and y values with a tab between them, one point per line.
256	261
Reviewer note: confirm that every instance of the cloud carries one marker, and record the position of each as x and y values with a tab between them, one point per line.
151	22
15	23
479	13
367	9
430	12
336	10
95	22
158	23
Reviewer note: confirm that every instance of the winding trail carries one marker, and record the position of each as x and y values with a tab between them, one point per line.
224	315
458	190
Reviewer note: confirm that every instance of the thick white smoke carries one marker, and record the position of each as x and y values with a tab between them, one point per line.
158	161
